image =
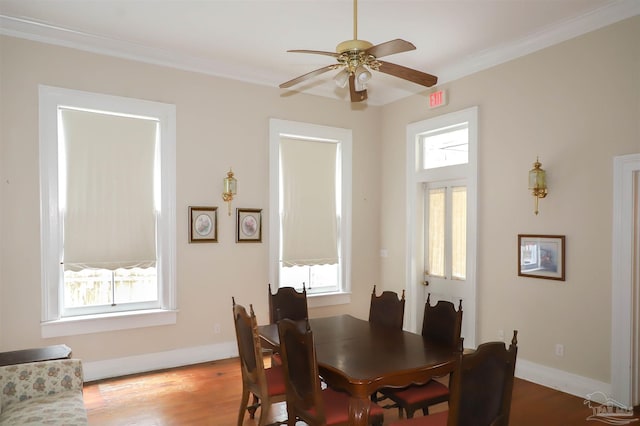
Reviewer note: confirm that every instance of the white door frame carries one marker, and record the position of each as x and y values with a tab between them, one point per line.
415	178
622	338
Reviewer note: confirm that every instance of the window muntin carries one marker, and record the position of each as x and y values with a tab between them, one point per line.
53	196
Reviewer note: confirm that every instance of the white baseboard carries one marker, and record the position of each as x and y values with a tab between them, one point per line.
546	376
97	370
563	381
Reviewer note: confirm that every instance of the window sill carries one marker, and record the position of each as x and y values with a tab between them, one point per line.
108	322
320	300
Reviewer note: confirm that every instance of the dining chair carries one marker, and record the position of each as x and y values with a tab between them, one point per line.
441	325
306	400
266	384
387	309
481	389
287	303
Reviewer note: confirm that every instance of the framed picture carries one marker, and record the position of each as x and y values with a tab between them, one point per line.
248	225
541	256
203	224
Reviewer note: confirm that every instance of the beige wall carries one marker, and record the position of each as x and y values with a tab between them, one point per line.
220	124
576	105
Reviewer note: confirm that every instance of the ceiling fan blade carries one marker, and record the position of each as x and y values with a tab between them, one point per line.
308	75
356	95
390	48
315	52
409	74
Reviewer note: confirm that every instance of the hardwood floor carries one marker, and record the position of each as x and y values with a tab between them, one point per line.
209	395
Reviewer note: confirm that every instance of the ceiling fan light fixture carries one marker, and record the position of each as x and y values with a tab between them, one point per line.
342	78
359	85
362	74
357	58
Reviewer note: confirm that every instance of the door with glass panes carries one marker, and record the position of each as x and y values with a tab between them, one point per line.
447	175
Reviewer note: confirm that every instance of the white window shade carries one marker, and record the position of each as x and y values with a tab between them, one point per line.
109	209
308	209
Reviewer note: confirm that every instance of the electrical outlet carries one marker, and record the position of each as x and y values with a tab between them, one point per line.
559	349
501	335
217	328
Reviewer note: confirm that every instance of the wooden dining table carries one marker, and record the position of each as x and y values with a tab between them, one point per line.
361	358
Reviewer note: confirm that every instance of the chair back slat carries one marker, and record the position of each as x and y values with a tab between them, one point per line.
304	392
266	385
286	302
482	386
387	309
442	323
249	346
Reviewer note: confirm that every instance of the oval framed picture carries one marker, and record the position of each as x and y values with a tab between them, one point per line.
248	225
203	224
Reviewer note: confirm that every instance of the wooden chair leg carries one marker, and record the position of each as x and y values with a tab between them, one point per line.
243	406
264	413
410	413
253	407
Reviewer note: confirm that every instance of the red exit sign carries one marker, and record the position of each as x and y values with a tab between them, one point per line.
437	99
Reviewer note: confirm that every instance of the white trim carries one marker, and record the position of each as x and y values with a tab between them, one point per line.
622	281
320	300
277	129
51	236
116	367
414	179
563	381
88	324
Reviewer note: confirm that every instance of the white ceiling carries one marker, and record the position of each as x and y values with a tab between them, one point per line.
247	40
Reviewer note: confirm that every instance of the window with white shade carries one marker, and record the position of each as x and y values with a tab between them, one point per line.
108	191
310	207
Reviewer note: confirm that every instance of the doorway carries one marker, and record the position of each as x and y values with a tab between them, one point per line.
625	332
442	216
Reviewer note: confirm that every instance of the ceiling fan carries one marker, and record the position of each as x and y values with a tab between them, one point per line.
357	58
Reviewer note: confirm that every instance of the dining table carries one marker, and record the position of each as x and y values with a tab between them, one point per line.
360	358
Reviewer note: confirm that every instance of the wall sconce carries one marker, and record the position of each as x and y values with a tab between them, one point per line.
230	189
537	183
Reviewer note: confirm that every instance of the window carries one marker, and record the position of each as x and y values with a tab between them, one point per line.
108	197
447	146
447	230
310	208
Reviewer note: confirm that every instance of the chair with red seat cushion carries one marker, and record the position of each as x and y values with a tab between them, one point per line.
266	384
286	302
481	389
387	309
441	325
305	398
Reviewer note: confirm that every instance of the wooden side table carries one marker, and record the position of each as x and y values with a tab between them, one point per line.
46	353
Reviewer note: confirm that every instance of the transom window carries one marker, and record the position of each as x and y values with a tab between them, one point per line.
447	146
